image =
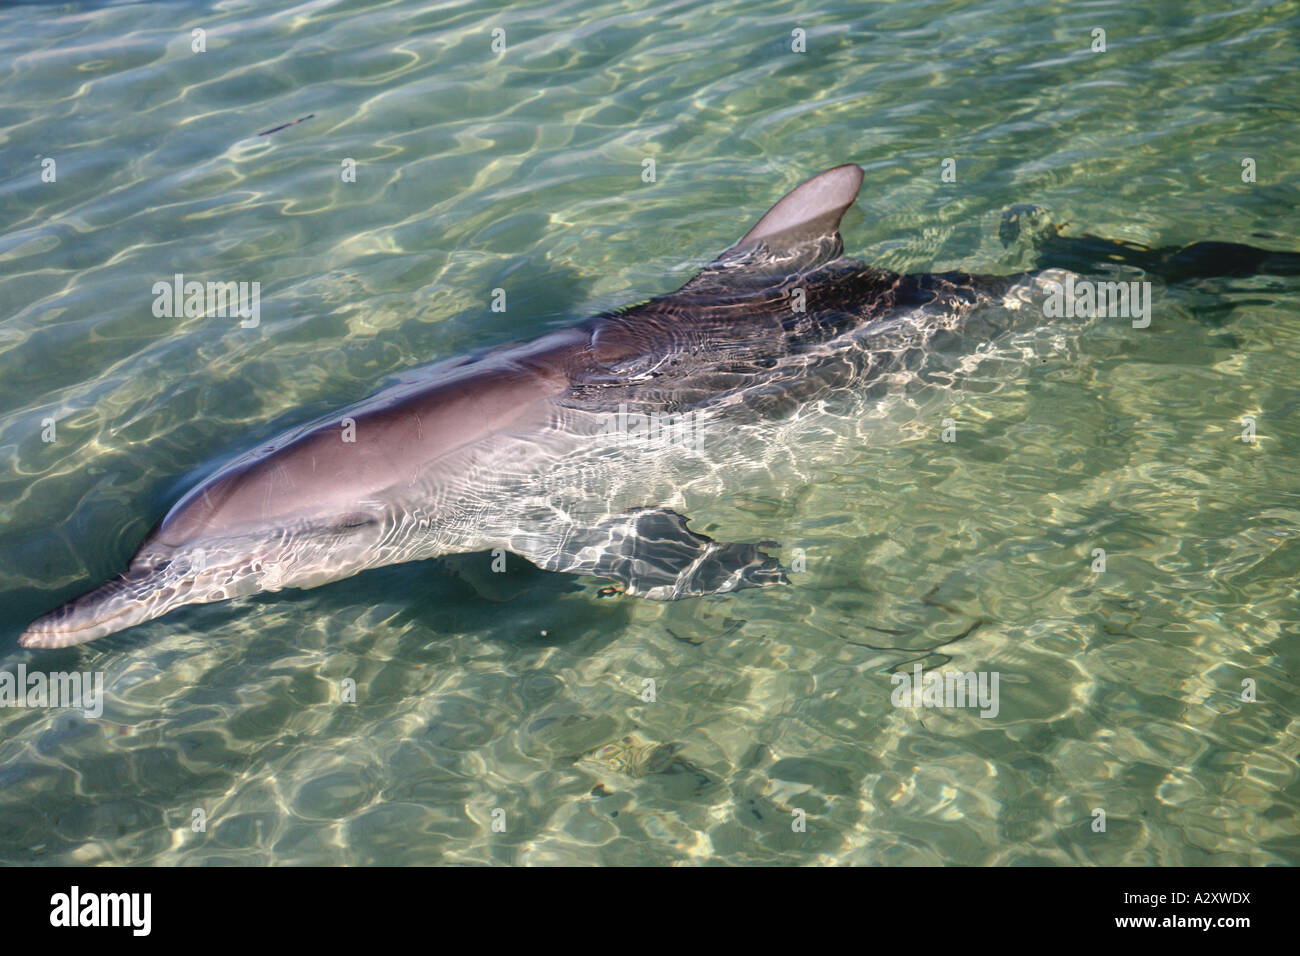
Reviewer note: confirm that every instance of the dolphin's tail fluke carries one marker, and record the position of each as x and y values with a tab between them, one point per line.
1173	264
1200	260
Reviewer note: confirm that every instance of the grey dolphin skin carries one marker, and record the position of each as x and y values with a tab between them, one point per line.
543	449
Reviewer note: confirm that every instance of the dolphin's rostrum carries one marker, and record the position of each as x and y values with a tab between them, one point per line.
525	448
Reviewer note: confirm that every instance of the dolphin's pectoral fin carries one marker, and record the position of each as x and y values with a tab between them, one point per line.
654	555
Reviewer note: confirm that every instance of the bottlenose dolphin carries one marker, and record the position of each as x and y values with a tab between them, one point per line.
568	450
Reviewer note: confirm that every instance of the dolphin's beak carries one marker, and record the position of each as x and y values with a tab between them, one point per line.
127	600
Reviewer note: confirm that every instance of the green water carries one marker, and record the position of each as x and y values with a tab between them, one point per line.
522	692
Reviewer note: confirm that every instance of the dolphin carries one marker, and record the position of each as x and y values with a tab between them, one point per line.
571	449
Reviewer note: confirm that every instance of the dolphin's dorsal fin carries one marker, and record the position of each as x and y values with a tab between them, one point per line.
803	229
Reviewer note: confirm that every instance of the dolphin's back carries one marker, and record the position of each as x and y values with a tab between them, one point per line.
336	472
780	292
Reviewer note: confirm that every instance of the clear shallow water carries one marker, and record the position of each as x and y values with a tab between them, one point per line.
522	691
